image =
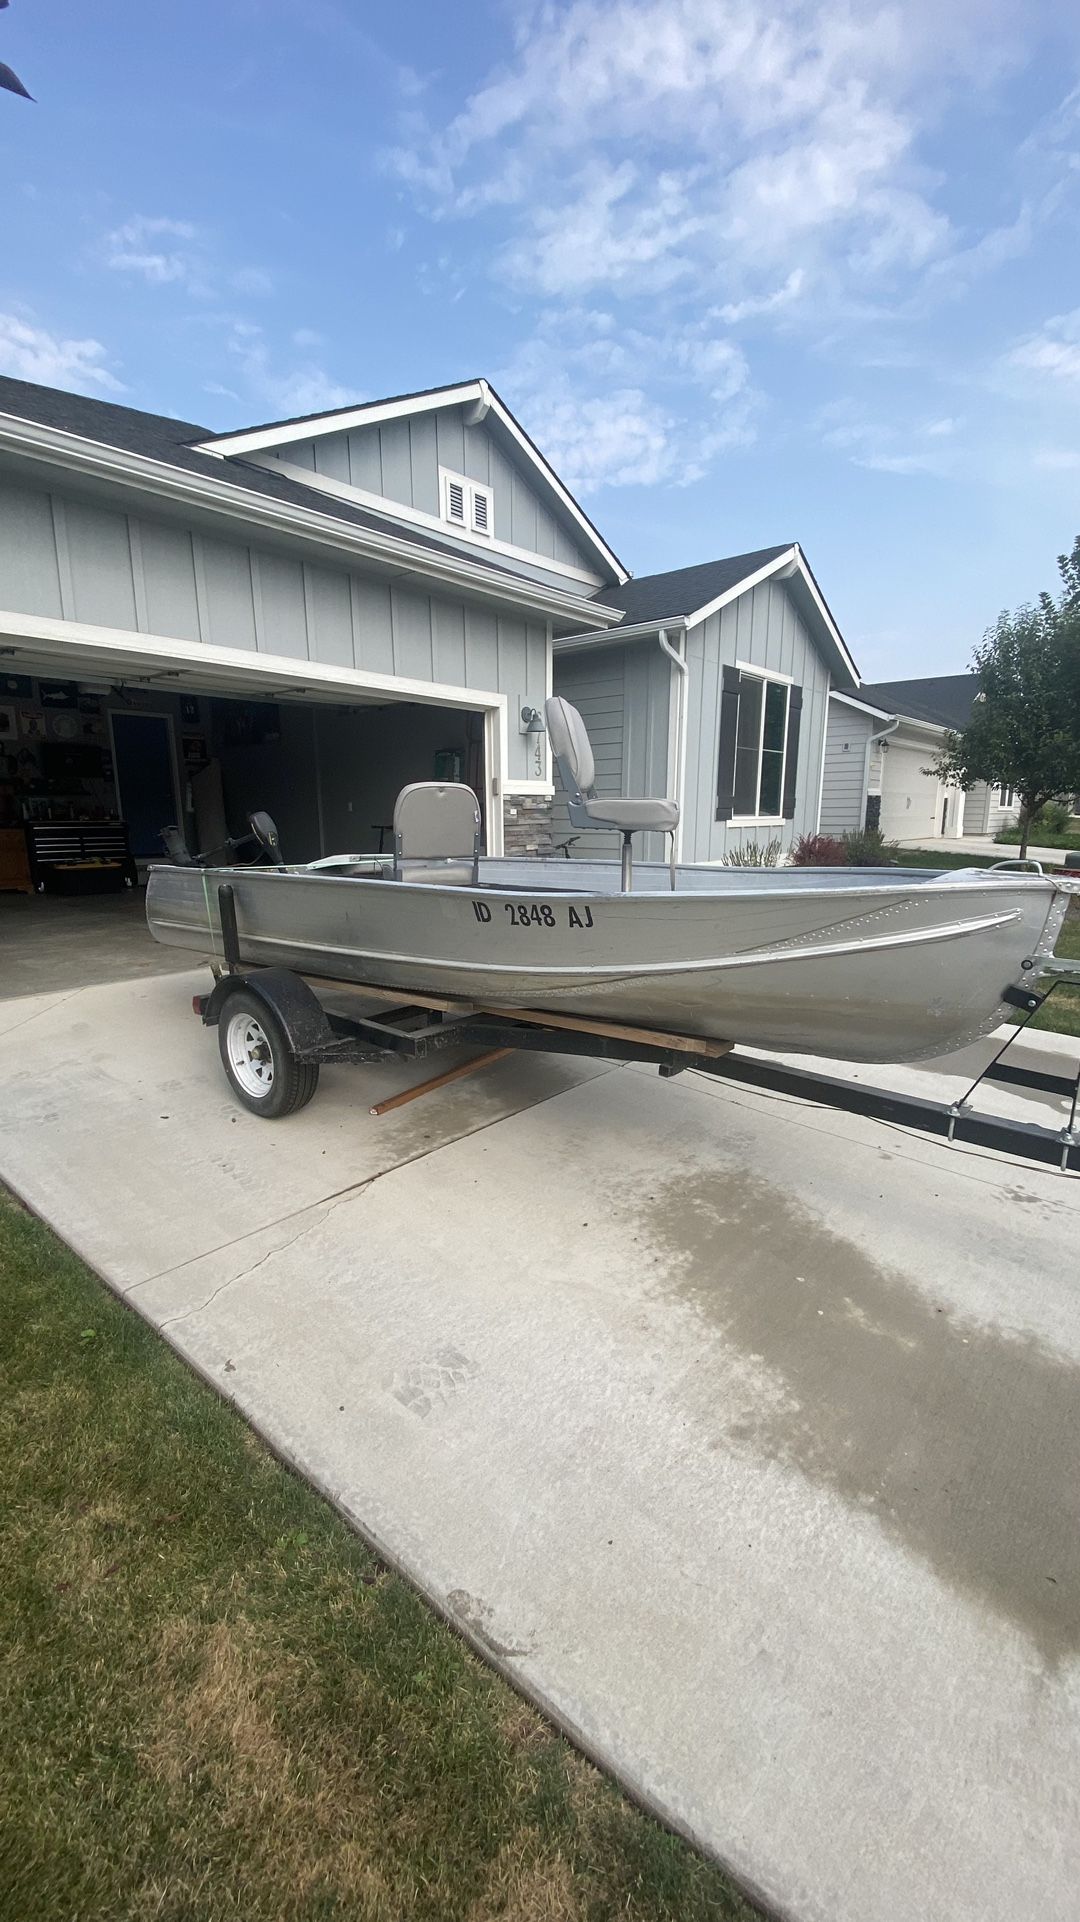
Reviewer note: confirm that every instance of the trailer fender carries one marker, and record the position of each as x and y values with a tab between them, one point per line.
299	1011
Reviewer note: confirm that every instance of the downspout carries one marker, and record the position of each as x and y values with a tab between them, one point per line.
876	734
682	705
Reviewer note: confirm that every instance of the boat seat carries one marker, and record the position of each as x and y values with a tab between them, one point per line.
437	829
573	753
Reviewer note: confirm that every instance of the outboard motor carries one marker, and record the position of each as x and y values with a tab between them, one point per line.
260	842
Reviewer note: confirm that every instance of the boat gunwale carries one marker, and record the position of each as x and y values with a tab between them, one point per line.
970	882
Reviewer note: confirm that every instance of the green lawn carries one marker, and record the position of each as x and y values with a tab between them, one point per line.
216	1703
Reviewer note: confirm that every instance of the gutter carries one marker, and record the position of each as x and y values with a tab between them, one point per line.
74	454
598	636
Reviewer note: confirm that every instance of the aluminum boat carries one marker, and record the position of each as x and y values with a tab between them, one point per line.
890	964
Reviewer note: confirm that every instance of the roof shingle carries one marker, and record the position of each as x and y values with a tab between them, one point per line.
658	597
944	699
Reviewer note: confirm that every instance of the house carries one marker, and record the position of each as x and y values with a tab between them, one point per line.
307	614
303	616
897	738
713	687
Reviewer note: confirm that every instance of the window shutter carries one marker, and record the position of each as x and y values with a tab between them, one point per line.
729	721
792	763
480	511
455	501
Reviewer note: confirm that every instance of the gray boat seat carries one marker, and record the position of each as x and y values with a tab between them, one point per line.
573	753
437	829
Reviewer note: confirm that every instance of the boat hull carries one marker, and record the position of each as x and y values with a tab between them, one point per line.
884	968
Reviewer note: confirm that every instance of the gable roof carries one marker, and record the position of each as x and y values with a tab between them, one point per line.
477	394
683	590
178	445
687	595
945	700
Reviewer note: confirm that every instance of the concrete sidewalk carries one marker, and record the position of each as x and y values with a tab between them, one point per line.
744	1437
984	844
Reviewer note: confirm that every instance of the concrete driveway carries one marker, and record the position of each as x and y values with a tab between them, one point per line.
744	1437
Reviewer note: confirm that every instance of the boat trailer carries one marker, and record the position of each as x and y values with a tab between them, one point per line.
275	1033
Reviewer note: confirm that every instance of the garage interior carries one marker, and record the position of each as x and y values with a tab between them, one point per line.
97	768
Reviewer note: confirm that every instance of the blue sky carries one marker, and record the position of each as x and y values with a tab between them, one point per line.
748	270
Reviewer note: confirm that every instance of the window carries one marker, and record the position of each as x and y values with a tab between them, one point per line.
467	503
1006	797
760	717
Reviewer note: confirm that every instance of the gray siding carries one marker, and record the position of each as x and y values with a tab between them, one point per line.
68	559
847	748
761	629
400	460
623	695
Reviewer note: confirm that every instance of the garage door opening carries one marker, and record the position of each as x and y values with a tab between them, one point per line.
92	774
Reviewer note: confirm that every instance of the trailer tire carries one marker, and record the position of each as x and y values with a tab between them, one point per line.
262	1070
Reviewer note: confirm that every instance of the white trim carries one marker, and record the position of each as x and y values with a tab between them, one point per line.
398	511
791	561
863	707
765	673
471	491
781	680
365	414
345	539
748	581
373	412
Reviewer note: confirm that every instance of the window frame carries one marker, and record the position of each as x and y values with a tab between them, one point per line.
765	674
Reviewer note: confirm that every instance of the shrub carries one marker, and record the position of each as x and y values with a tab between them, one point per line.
868	848
1055	817
819	851
753	854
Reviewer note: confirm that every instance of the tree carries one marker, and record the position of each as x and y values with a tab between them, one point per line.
1024	730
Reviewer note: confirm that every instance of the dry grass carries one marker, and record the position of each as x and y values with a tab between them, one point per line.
215	1704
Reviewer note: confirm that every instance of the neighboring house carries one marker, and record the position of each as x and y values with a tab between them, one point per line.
903	794
306	615
854	738
302	616
734	725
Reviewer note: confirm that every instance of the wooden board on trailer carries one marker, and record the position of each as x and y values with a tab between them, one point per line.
538	1017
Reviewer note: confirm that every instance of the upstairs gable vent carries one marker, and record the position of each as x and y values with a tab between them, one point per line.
467	503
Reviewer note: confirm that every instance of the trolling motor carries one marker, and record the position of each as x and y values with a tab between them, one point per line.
260	845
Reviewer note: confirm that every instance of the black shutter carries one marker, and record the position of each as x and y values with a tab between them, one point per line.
729	722
791	765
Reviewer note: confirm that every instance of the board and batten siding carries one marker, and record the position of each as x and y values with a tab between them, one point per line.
623	695
847	754
760	629
400	460
79	561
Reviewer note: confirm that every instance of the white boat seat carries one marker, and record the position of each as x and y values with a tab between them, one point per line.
573	754
437	827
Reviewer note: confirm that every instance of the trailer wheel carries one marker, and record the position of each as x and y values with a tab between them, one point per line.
263	1071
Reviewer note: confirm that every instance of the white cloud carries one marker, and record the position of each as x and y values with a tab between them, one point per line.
157	249
1057	460
1054	351
284	391
176	253
32	353
733	312
583	393
703	140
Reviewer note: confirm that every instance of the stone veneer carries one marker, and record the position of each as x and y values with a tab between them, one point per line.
527	824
